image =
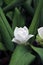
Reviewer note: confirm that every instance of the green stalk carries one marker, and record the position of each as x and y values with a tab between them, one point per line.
5	36
6	22
35	23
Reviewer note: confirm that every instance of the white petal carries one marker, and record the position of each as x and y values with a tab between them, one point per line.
30	36
15	31
16	41
19	38
26	29
27	38
40	32
21	33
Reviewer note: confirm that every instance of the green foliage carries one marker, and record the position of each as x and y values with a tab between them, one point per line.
10	1
10	15
35	3
5	36
1	3
18	19
21	56
6	23
15	11
27	6
2	47
39	51
35	22
39	40
41	18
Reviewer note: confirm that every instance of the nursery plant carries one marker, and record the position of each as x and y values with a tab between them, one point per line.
21	32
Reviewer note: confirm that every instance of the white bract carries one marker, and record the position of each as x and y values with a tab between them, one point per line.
40	32
21	35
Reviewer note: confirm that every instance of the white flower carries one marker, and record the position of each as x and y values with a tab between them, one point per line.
40	32
21	35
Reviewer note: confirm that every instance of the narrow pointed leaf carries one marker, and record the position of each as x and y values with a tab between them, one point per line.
5	36
6	23
18	19
35	23
10	15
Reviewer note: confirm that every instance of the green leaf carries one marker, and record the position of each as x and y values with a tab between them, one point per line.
2	46
10	15
27	6
5	36
35	23
8	1
1	2
28	2
35	3
21	56
39	51
0	38
6	22
41	19
13	4
18	19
